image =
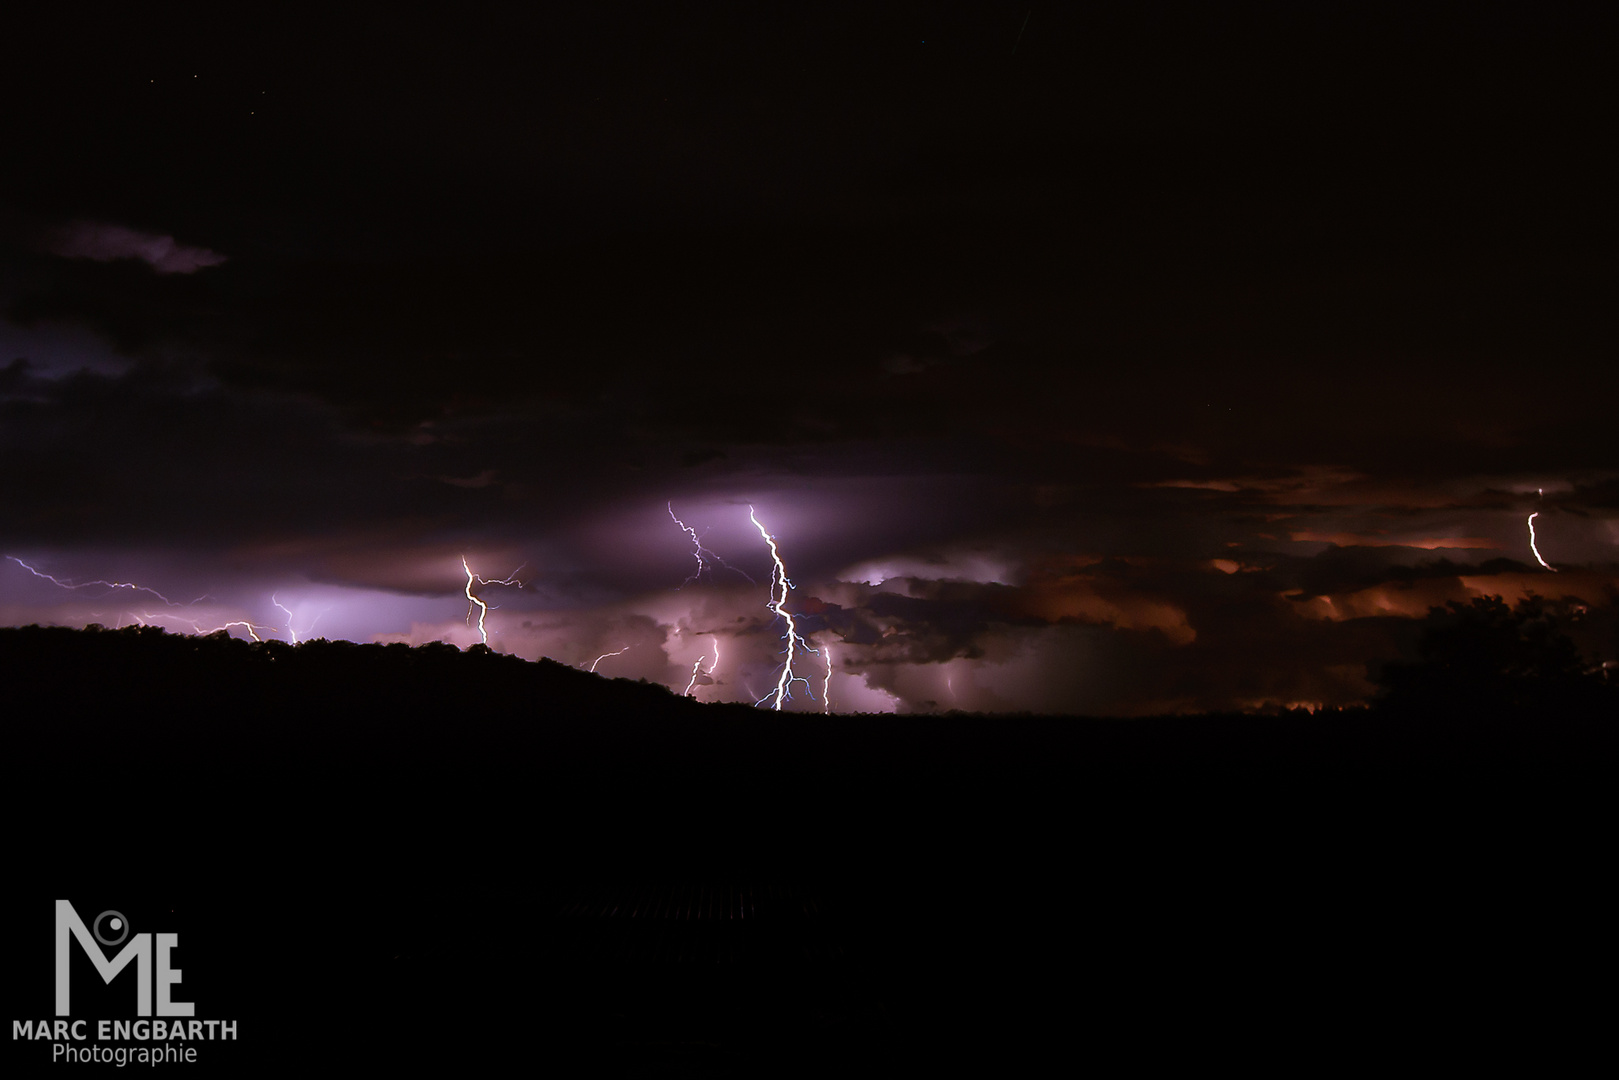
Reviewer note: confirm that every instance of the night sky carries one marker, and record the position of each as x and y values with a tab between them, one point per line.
1115	359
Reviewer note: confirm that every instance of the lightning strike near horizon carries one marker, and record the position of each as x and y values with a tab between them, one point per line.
91	584
315	621
779	584
1532	546
483	608
699	551
697	667
605	655
826	687
292	635
196	627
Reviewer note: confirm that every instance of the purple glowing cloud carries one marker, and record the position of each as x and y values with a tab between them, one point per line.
104	243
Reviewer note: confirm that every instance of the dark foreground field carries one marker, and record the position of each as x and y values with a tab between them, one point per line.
387	857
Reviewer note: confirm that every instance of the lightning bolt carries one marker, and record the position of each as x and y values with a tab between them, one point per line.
1532	546
146	618
605	655
315	622
292	635
196	627
699	551
697	667
483	608
826	687
92	584
779	584
252	631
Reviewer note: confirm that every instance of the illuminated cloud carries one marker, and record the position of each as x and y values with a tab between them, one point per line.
1413	598
104	243
1309	484
1404	601
1058	593
1427	543
976	566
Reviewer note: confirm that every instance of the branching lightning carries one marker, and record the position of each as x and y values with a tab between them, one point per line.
698	668
196	627
1532	546
779	584
292	635
703	555
146	618
483	608
92	584
605	655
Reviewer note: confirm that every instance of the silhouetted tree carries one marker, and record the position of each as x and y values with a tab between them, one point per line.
1485	656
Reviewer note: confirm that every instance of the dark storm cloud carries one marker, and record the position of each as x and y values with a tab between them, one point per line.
14	377
1173	362
161	453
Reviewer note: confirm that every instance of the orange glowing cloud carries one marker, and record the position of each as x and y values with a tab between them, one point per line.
1593	587
1058	597
1412	600
1330	485
1430	543
1309	485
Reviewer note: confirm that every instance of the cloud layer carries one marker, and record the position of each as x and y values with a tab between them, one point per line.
104	243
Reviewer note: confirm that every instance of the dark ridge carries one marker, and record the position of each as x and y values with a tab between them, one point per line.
611	875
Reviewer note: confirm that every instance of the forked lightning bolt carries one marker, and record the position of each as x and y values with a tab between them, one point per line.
146	618
779	584
196	627
483	608
703	556
292	635
92	584
698	667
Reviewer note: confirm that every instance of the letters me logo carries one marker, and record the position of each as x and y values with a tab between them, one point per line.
170	1035
70	927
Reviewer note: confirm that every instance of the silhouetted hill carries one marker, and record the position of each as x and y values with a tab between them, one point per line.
605	872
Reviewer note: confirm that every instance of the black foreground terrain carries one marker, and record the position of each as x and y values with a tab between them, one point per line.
380	857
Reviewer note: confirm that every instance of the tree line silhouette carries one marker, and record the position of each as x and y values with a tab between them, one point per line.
989	882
